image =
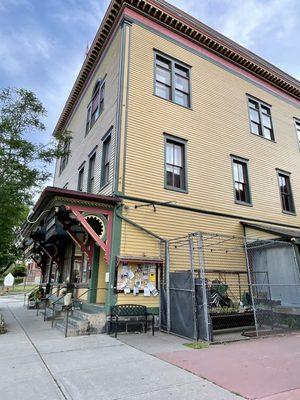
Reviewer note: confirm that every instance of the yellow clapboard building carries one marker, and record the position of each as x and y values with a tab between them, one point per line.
176	129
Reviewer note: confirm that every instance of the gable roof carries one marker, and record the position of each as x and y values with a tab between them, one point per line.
184	25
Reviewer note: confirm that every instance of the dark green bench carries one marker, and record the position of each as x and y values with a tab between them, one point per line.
130	314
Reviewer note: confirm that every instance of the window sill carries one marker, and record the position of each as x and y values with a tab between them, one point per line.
262	137
176	189
173	102
289	213
243	203
104	186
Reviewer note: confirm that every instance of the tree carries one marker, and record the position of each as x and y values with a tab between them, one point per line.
24	163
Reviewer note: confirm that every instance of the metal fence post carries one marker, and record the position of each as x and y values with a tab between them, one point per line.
167	269
191	251
250	284
203	283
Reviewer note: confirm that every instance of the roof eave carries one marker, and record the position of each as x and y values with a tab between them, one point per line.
186	26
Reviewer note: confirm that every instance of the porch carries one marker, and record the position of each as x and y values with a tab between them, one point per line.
69	237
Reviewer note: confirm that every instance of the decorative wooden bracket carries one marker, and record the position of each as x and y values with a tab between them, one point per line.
55	257
105	245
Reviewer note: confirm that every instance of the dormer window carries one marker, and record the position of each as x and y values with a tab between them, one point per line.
96	105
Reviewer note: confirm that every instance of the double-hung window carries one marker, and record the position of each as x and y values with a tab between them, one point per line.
80	179
65	158
241	181
91	175
297	126
106	160
172	80
286	194
96	105
175	164
260	119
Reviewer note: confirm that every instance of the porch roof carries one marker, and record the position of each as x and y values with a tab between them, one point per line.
52	196
277	230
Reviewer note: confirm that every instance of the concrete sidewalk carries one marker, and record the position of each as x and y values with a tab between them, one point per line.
37	362
265	369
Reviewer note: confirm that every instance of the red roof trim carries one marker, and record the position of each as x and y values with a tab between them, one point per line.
51	191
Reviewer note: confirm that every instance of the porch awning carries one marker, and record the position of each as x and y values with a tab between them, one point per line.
85	217
277	230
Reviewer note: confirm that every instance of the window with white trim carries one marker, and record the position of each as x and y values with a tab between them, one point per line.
106	160
286	194
172	80
175	164
241	181
91	175
80	179
65	158
96	105
297	125
260	119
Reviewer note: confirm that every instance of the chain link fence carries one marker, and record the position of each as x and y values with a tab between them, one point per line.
220	288
275	282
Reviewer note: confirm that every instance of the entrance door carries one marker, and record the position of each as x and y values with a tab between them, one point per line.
81	268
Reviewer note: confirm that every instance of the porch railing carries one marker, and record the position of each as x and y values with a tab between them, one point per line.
28	293
47	298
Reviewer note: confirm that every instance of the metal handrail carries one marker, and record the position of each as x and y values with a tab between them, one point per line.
28	292
46	299
70	307
53	309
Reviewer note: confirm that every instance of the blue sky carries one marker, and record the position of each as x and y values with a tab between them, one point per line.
42	42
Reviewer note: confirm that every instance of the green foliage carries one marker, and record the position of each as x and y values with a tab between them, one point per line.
196	345
18	270
37	294
23	163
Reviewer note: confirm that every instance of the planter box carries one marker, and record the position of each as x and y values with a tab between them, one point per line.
231	320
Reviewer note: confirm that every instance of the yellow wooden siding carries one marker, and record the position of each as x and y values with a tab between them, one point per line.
217	126
257	234
82	293
140	299
170	223
82	145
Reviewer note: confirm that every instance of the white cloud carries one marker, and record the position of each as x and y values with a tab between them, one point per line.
246	21
88	14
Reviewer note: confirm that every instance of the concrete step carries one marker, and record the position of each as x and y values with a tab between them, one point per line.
60	325
83	323
78	323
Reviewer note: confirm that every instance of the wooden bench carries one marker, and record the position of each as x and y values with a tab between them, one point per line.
130	314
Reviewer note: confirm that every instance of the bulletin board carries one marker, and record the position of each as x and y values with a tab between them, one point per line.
137	279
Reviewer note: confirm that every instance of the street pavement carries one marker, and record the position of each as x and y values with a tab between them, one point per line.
37	362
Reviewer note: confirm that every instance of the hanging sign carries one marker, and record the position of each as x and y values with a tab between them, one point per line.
9	280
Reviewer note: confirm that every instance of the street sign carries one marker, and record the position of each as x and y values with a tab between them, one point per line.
9	280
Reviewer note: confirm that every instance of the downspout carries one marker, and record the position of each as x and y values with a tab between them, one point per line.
167	258
137	225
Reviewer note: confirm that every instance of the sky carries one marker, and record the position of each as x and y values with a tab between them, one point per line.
43	42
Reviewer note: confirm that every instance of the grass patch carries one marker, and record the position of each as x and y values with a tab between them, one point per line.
196	345
16	289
